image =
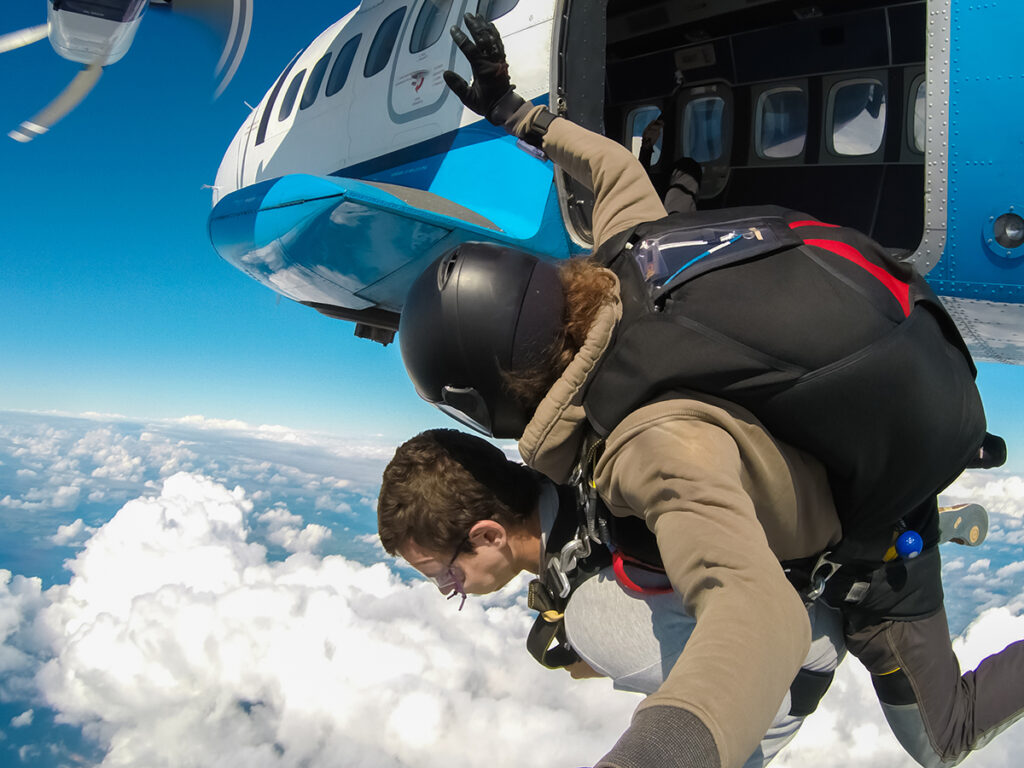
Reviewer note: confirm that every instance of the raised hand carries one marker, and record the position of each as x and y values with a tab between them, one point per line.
491	93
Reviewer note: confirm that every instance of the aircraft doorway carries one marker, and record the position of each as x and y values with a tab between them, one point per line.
818	107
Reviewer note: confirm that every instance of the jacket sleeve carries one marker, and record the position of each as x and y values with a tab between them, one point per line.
623	194
686	478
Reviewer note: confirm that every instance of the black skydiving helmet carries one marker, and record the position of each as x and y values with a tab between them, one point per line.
473	314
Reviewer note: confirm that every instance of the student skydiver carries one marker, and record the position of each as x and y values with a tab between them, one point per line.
530	348
458	511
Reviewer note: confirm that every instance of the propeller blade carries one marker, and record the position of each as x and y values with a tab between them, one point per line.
68	99
231	20
23	37
235	44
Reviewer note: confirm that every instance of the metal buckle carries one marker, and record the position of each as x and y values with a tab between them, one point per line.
822	571
560	565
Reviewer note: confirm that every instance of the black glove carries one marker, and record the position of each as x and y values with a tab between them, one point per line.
492	94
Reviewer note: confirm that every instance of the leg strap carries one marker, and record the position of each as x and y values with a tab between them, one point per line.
547	642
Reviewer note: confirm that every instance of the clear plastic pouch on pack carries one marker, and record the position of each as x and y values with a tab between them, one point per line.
667	259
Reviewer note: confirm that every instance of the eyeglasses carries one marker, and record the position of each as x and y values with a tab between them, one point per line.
450	581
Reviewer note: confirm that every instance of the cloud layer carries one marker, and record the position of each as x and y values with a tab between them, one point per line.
63	477
178	643
206	619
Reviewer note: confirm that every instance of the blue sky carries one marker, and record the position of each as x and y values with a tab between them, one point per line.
112	298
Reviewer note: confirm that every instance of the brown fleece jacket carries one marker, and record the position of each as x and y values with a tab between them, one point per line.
725	500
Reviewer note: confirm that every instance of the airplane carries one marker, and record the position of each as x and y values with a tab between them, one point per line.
358	168
98	33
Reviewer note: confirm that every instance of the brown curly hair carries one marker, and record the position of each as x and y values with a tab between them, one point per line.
587	288
441	482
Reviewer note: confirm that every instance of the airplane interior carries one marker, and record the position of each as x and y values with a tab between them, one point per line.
817	106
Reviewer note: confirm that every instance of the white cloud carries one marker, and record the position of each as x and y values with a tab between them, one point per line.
73	533
177	643
23	720
951	566
58	468
62	498
21	599
997	490
1010	570
278	516
307	539
197	420
980	565
992	630
326	503
285	530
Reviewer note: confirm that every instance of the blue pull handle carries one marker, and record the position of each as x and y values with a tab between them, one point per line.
909	545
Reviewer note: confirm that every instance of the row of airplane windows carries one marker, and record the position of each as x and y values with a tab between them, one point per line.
855	122
428	28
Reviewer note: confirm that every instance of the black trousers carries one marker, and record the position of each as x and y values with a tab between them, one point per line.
936	712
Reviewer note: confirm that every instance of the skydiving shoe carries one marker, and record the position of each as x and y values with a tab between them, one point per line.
965	524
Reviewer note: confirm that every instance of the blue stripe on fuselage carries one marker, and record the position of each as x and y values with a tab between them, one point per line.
480	167
416	166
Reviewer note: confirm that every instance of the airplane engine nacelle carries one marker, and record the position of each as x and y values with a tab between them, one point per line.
94	33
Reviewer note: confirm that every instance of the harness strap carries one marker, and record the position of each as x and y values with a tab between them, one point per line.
619	562
806	691
572	554
547	641
542	637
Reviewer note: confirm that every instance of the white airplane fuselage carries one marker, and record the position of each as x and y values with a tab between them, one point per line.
358	167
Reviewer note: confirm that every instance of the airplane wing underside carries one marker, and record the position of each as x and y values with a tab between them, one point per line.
346	247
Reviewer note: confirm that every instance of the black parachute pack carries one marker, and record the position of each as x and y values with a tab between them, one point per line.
834	346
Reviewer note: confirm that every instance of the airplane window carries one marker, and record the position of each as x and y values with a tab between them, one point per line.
290	95
639	119
702	129
495	9
920	111
429	24
316	77
781	128
268	110
383	43
342	65
857	112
